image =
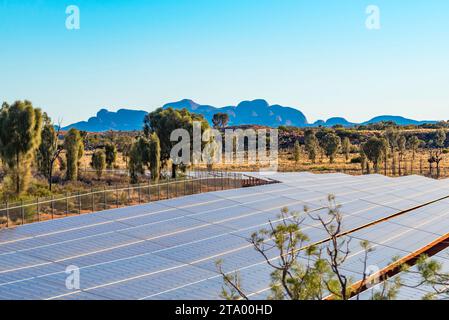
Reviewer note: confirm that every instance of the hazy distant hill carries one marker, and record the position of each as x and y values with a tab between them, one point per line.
256	112
397	119
122	120
333	122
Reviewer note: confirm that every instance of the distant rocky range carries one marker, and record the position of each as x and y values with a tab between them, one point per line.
256	112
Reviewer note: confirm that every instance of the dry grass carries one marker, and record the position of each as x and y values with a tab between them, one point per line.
287	163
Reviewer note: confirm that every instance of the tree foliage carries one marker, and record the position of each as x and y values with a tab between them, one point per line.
155	157
346	147
49	150
297	152
331	144
374	149
74	147
145	153
440	138
220	120
98	162
312	145
20	134
302	270
164	121
110	154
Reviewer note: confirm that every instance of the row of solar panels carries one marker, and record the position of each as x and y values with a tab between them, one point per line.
168	249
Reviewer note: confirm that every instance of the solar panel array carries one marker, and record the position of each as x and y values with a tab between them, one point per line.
412	285
168	249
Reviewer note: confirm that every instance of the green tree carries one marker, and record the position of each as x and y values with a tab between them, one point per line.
145	153
300	269
125	143
155	156
98	162
138	158
297	152
111	154
374	149
49	150
312	145
220	120
402	148
331	143
431	274
346	147
163	122
437	155
413	144
392	136
440	138
363	161
74	147
20	134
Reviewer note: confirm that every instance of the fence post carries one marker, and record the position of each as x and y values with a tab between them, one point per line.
129	193
222	180
158	191
116	195
168	188
79	203
66	203
37	209
92	199
7	215
52	207
22	212
105	199
176	188
185	186
138	191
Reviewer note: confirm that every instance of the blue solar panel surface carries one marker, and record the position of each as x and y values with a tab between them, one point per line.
168	249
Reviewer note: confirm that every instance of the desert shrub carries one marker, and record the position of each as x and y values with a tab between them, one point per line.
357	160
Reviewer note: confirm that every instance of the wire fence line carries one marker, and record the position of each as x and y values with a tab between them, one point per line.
41	209
443	172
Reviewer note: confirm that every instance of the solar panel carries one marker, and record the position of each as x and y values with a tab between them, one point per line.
168	249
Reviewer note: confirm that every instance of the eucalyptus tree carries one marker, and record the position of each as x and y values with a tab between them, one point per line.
402	148
392	135
331	144
413	144
220	120
346	147
124	144
154	157
297	152
374	150
74	147
49	150
437	155
312	145
440	138
164	121
145	153
138	158
110	151
98	162
20	134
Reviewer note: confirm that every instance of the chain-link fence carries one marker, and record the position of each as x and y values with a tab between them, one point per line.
40	209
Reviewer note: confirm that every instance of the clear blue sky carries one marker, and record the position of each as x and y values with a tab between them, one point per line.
316	55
